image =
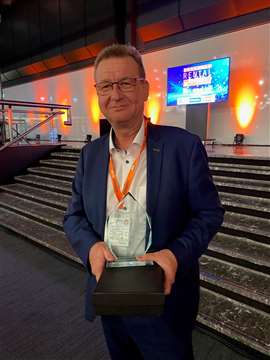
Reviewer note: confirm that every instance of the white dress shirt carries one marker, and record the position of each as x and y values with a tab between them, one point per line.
123	160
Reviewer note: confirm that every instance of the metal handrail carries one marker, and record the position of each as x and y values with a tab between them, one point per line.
17	132
52	107
34	104
31	129
53	111
17	111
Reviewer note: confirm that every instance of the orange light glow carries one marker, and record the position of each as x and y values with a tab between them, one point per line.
64	129
63	117
153	109
245	106
63	95
40	90
30	118
95	111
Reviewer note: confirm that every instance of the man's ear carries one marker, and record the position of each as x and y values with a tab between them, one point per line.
146	90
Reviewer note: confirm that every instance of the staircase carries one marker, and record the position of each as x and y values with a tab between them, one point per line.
235	271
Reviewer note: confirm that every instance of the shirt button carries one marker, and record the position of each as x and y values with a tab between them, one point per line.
127	162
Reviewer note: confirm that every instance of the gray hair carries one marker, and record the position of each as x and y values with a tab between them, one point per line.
120	51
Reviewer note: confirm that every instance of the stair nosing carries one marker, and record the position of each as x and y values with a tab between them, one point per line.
40	178
242	229
245	206
216	246
236	165
239	170
45	169
33	213
66	186
36	240
240	336
248	293
36	198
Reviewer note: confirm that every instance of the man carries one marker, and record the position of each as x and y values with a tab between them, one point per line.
171	180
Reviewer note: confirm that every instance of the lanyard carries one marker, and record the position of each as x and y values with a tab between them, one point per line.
120	194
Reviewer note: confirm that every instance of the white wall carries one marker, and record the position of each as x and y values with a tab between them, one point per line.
74	88
250	61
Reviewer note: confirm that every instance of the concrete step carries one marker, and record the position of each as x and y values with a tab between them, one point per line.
45	197
235	320
239	172
42	182
250	187
68	155
241	250
240	224
74	149
252	286
41	234
52	173
251	184
237	166
38	212
59	163
238	160
249	205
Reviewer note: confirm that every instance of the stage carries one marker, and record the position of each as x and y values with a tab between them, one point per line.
260	152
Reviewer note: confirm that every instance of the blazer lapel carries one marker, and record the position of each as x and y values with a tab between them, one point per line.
154	163
101	185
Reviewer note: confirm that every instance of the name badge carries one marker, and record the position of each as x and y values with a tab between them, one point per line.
119	228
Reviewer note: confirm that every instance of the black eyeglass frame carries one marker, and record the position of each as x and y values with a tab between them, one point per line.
111	83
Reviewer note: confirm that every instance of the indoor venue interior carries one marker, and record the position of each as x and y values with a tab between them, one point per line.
208	68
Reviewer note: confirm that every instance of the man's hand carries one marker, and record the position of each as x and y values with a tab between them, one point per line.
98	255
167	261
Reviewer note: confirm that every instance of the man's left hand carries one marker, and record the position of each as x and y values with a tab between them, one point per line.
167	261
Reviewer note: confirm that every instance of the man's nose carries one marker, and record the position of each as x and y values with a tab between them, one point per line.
116	92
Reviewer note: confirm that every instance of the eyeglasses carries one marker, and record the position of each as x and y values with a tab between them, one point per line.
124	85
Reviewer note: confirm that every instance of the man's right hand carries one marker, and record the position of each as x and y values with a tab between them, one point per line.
98	255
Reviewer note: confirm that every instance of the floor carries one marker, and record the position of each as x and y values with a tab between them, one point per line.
261	152
249	151
41	310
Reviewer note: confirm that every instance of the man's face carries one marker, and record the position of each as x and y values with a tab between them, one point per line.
121	108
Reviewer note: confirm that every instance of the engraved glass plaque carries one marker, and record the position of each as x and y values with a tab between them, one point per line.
128	233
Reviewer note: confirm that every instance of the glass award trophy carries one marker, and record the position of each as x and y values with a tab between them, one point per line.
128	286
128	233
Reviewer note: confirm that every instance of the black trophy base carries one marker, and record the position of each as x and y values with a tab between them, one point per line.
130	291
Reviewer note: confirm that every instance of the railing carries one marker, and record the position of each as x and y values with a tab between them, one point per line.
9	108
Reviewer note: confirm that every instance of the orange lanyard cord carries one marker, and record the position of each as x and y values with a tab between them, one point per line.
118	193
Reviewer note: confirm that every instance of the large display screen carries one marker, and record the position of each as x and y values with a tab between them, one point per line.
198	83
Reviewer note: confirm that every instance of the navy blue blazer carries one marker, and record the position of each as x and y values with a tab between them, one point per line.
182	202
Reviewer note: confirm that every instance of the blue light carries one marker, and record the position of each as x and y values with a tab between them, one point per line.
198	83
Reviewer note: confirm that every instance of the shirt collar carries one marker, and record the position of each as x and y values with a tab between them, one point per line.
138	140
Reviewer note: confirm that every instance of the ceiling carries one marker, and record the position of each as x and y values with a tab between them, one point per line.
42	38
